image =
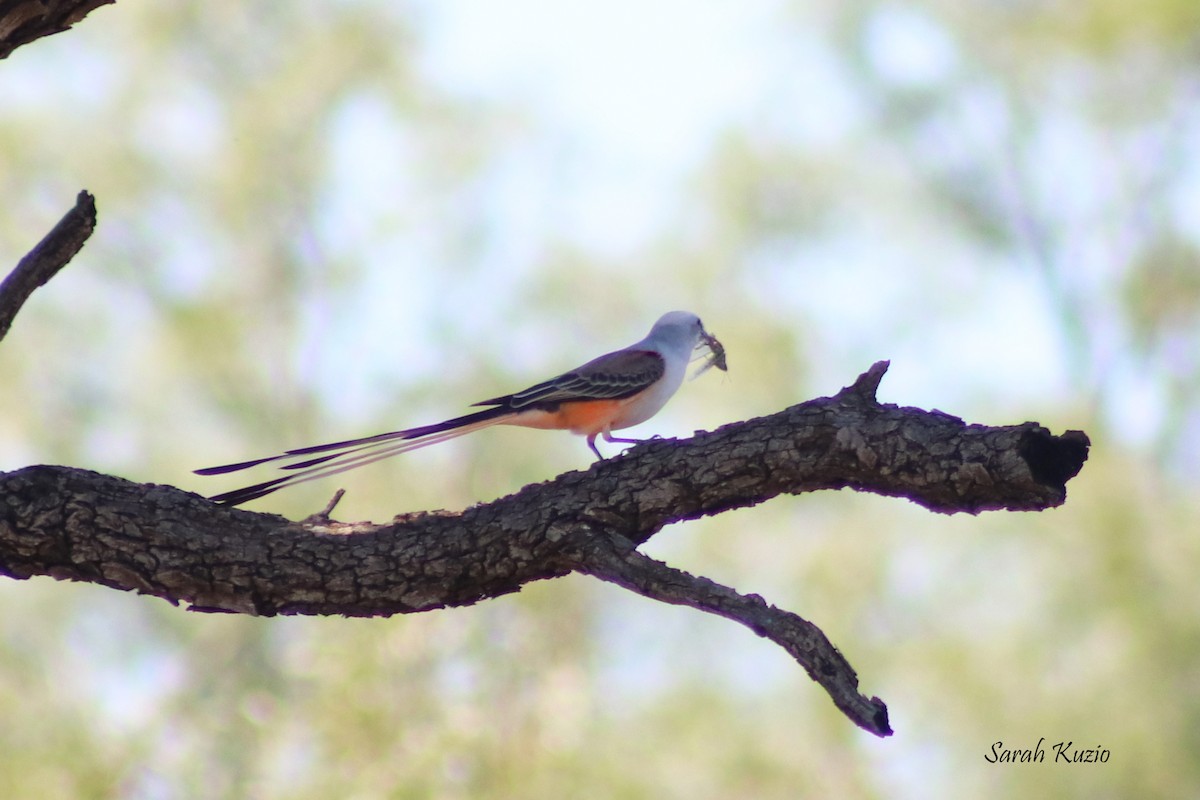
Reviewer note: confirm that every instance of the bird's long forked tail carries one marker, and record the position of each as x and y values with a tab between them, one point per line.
323	460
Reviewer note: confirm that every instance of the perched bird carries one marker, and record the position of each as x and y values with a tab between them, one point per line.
617	390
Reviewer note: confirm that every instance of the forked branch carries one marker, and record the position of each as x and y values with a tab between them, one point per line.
158	540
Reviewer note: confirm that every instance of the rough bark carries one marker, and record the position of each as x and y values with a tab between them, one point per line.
158	540
25	21
73	524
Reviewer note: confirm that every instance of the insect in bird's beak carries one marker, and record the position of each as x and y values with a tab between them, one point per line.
716	354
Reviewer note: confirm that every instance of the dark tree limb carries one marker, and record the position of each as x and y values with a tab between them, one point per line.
45	260
613	559
159	540
24	21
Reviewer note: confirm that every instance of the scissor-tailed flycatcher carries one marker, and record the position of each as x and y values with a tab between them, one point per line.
615	391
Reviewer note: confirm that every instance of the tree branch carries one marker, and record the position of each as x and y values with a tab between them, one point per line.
159	540
613	559
45	260
24	21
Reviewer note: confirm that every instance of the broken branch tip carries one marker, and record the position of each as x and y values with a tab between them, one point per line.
867	384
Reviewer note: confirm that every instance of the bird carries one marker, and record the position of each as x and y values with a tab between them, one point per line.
614	391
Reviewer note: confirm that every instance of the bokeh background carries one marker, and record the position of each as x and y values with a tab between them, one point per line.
325	219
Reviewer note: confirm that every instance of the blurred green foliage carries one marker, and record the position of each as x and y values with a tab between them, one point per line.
306	234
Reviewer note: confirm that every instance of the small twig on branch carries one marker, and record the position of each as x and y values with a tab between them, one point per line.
615	560
45	260
322	516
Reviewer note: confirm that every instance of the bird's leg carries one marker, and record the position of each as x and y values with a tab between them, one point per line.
591	440
608	437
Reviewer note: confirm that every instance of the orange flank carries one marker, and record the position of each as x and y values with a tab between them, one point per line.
586	417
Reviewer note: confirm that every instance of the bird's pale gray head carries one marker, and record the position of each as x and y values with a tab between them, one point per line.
685	322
